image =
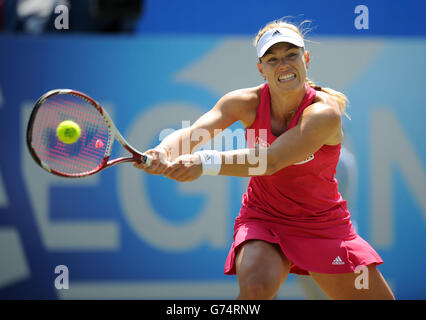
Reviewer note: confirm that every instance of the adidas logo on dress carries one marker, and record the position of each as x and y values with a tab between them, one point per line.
338	261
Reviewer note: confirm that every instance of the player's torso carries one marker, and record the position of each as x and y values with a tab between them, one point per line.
279	126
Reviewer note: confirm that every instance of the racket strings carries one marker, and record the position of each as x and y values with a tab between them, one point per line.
83	156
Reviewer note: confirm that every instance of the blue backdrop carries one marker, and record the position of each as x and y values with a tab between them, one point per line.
123	234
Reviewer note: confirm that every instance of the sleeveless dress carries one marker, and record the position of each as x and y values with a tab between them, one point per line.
299	207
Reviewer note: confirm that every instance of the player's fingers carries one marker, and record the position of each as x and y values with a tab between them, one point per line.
155	167
141	165
171	166
137	165
187	177
151	164
172	170
184	173
162	166
158	165
179	173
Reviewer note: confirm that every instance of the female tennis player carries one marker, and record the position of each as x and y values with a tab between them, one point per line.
293	218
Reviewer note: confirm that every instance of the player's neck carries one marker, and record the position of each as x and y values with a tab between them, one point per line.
285	103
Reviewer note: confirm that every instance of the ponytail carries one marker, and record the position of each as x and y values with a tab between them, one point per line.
340	98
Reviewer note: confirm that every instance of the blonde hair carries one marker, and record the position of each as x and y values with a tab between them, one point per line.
340	98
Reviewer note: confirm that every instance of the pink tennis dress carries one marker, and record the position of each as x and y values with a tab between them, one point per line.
300	208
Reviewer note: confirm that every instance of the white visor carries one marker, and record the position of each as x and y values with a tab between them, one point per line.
276	35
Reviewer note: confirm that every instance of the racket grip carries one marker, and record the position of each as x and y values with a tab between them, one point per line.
146	159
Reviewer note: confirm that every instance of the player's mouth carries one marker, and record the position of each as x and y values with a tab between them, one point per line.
287	77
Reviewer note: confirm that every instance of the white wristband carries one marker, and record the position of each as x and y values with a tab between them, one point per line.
211	161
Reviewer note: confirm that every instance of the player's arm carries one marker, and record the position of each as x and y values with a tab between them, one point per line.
320	124
186	140
230	108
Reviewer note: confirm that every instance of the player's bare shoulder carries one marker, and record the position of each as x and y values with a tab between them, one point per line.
327	100
244	103
325	110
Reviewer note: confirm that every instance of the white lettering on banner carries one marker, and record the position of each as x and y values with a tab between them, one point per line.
62	280
391	147
61	236
361	21
208	226
62	21
361	281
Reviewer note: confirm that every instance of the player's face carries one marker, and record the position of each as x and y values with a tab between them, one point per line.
284	66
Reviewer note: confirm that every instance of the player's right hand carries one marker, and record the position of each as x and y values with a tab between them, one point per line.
159	161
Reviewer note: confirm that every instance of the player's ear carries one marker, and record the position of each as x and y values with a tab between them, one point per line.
260	68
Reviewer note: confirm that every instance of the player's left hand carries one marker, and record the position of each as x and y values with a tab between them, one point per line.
185	168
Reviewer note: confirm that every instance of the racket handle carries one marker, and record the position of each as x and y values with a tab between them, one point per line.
146	159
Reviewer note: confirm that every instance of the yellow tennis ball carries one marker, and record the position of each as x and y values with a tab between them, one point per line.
68	131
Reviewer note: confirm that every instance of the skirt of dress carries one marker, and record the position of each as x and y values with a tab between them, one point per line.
323	251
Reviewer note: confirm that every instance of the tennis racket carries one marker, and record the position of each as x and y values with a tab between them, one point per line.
91	152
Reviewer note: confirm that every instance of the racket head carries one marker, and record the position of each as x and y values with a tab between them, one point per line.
89	154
